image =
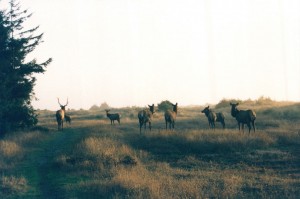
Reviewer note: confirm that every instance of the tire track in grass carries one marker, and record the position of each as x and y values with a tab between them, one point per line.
43	177
51	182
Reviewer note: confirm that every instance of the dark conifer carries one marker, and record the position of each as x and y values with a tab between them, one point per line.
16	73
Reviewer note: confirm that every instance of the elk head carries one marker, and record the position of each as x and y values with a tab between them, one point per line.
63	107
151	108
234	109
206	110
175	107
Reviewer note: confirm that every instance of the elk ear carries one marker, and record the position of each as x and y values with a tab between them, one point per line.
208	107
237	103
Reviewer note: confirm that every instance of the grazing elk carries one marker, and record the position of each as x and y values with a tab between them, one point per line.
113	116
213	117
170	117
60	115
68	119
243	117
145	116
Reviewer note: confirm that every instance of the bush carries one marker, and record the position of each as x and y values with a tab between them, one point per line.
226	103
94	108
104	106
264	100
164	105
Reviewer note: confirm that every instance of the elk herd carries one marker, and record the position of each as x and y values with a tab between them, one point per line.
145	117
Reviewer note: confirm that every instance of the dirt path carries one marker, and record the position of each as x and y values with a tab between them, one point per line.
39	165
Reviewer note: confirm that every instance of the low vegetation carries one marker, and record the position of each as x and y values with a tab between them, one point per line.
92	159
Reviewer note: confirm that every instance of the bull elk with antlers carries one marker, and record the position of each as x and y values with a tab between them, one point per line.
60	115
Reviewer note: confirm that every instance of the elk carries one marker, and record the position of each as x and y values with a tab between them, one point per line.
145	116
68	119
60	115
170	117
213	117
113	116
243	117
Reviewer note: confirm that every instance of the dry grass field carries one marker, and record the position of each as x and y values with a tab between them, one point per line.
92	159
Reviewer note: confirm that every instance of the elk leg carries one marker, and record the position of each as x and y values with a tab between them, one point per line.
253	124
249	126
223	124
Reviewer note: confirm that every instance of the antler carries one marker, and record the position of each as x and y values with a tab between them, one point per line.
58	101
62	105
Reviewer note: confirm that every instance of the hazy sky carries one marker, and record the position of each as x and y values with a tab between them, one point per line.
139	52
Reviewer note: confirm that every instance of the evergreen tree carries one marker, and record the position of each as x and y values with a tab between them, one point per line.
16	74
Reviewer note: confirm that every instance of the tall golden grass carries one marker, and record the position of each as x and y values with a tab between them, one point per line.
196	164
14	149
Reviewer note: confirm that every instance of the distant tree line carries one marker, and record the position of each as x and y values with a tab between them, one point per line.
260	101
16	72
102	107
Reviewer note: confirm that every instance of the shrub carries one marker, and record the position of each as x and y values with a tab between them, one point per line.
264	100
164	105
225	103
